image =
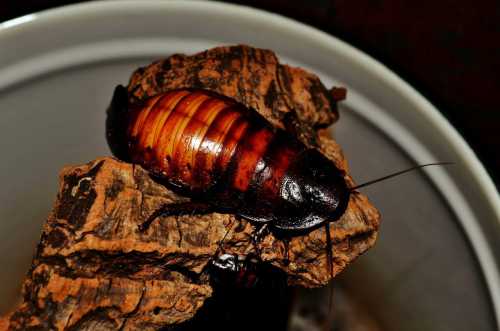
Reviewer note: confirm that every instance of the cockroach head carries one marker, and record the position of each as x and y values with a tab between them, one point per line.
116	123
314	192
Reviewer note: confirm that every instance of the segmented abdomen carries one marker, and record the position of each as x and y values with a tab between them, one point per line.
196	139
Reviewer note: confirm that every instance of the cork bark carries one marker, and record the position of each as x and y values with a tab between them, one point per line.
95	270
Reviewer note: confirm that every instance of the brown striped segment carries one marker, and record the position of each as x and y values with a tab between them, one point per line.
280	154
157	115
193	135
145	135
137	122
185	110
142	126
250	151
213	144
165	144
167	107
230	143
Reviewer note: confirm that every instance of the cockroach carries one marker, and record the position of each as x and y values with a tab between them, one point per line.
227	158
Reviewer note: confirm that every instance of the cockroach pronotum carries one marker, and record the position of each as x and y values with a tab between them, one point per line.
228	159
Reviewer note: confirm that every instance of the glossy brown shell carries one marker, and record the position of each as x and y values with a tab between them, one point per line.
217	151
191	138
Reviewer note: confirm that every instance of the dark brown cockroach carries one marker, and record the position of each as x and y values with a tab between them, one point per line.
227	158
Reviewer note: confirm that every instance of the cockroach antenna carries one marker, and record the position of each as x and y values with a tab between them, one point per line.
329	264
397	174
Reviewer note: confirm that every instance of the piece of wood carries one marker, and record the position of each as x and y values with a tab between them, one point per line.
95	270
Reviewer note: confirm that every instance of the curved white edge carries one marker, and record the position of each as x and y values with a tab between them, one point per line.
17	21
81	55
391	127
461	208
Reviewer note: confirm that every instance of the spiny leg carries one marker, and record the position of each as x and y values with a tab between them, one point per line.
221	243
177	209
286	243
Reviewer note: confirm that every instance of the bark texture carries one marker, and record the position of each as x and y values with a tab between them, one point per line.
95	270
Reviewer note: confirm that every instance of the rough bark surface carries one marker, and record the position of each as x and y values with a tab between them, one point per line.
94	269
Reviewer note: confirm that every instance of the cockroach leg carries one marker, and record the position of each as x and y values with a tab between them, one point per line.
329	247
178	209
221	243
258	235
329	255
286	243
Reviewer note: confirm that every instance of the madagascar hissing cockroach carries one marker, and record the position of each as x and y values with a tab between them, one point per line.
227	158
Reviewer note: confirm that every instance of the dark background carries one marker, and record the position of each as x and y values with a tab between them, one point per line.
449	50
